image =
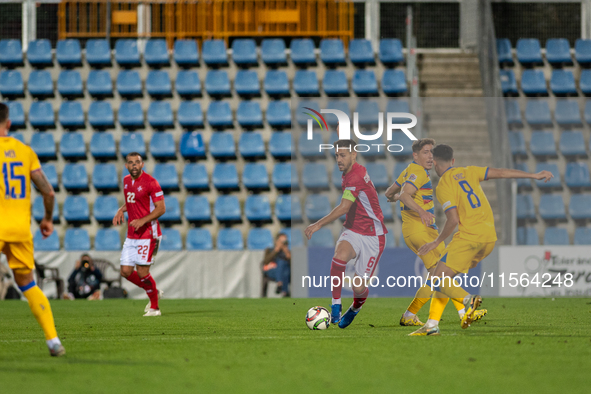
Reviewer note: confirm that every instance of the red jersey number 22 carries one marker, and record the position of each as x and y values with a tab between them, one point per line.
131	197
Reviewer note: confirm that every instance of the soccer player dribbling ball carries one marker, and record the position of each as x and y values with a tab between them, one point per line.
364	237
144	204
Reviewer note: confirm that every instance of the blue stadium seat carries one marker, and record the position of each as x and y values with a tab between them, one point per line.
190	115
68	53
244	52
341	105
39	210
508	83
572	144
186	53
305	83
11	53
386	208
279	115
98	53
11	84
317	206
523	183
255	177
129	84
188	84
230	239
219	115
577	175
217	84
71	115
171	240
315	176
99	84
398	105
72	146
399	168
336	177
41	115
227	209
222	146
554	183
527	236
273	52
276	83
39	53
585	82
537	113
51	174
105	208
76	239
197	210
285	177
368	111
214	53
301	111
583	51
100	115
525	207
567	113
132	142
249	115
533	83
107	239
288	208
361	52
398	137
580	206
76	210
364	83
257	209
225	177
173	211
199	239
259	239
562	83
552	207
302	52
390	51
158	84
556	236
192	146
394	82
335	83
167	177
156	53
160	115
16	115
162	146
558	52
75	178
513	113
131	115
582	236
529	52
251	146
332	52
126	53
504	51
69	84
195	177
309	148
44	146
247	84
18	136
280	145
378	175
49	244
40	84
322	238
542	144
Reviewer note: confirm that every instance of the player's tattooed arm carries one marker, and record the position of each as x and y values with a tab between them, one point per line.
336	213
498	173
40	180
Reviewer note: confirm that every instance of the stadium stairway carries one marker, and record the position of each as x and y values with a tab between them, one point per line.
449	75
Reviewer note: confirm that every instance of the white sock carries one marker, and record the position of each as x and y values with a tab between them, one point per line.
462	312
409	315
432	323
336	301
355	309
53	342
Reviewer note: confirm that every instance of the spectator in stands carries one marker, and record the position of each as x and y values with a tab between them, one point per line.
276	264
85	280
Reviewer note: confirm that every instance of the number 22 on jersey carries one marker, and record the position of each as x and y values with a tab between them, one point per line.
131	197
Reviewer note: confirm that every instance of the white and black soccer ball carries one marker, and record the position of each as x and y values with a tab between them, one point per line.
318	318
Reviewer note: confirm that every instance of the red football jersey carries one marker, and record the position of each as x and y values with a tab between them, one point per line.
140	196
365	216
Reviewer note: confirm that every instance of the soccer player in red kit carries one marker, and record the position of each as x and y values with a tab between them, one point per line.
364	238
144	204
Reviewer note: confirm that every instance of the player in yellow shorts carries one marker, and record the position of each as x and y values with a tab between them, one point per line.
466	206
19	166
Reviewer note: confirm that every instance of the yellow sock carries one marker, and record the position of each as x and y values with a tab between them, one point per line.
458	303
438	303
41	309
421	298
450	290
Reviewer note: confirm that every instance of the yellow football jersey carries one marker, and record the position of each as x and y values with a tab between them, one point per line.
459	187
17	161
417	176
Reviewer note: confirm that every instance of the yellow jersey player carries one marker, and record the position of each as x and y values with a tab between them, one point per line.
19	166
466	206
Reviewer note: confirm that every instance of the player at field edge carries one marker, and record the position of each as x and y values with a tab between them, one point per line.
363	239
20	165
414	190
461	196
144	204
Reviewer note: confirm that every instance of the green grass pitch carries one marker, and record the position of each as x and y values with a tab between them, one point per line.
264	346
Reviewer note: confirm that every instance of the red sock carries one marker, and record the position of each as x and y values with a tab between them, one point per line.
149	284
359	299
135	279
337	269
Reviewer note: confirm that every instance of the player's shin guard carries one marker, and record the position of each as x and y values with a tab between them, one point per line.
149	284
135	279
359	299
438	303
41	309
421	298
337	270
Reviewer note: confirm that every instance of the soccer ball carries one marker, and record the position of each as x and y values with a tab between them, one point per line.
318	318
